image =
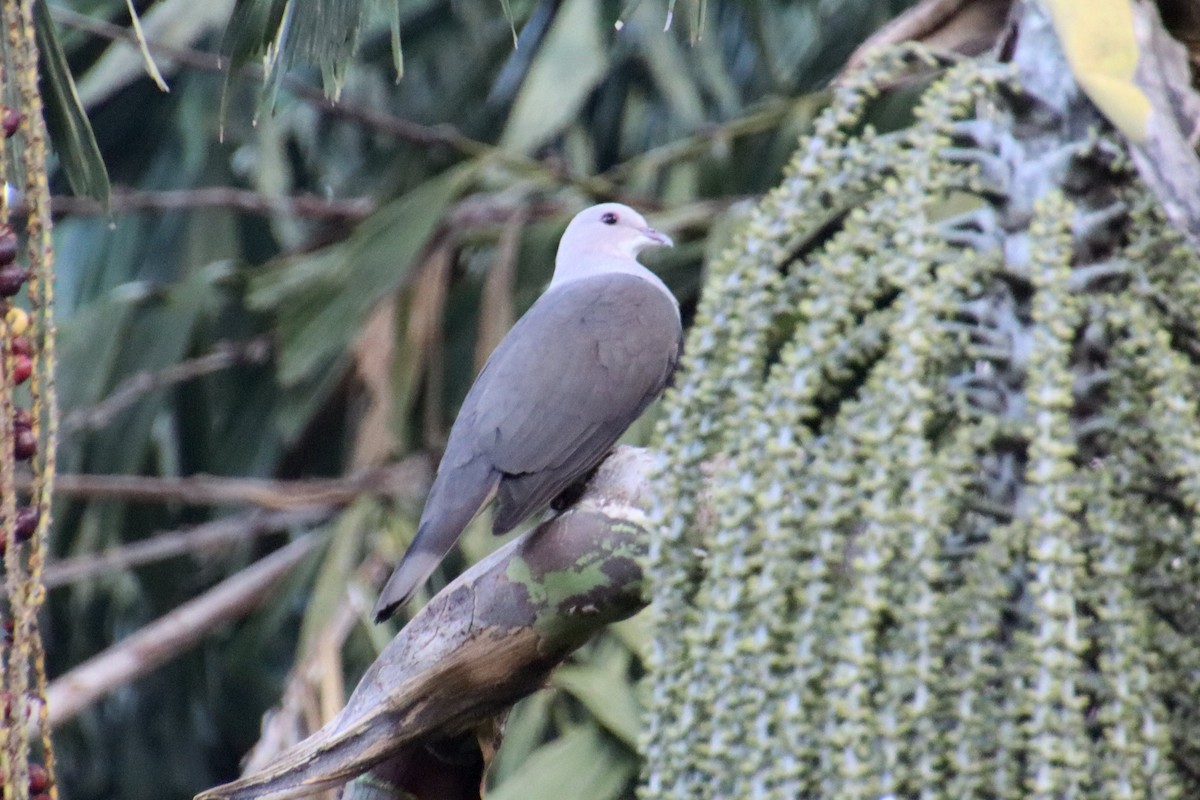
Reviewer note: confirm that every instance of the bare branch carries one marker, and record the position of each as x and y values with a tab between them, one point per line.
404	481
172	633
1166	155
107	30
954	26
132	389
763	117
304	206
161	546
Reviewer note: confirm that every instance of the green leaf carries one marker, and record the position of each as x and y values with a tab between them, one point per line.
635	633
374	261
298	404
251	30
626	12
569	65
671	73
175	23
162	329
524	732
580	763
90	346
148	60
297	279
70	131
323	33
397	47
506	7
607	694
328	592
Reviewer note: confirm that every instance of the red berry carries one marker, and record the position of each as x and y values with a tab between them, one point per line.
8	245
10	120
27	520
12	278
24	444
21	346
22	369
39	779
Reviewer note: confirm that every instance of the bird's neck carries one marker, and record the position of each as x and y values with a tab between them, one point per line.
606	265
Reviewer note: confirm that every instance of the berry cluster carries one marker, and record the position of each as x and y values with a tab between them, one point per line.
16	353
16	365
39	776
12	278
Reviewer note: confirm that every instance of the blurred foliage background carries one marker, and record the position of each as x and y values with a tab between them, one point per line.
289	287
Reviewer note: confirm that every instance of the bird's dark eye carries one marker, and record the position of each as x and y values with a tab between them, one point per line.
609	219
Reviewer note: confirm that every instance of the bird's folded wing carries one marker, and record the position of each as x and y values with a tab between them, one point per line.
576	371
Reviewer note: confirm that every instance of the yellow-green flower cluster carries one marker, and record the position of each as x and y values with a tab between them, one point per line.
939	409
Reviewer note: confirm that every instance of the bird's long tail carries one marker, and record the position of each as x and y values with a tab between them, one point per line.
457	496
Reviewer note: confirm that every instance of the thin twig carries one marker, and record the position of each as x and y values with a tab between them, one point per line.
405	481
223	356
103	29
915	24
161	546
304	206
968	27
171	634
761	118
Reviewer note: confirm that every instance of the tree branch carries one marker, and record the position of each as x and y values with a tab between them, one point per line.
161	546
957	26
1166	156
171	634
762	117
486	640
304	206
404	481
223	356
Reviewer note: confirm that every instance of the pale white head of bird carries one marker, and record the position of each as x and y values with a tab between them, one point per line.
603	232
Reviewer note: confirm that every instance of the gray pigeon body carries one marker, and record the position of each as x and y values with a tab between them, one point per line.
570	377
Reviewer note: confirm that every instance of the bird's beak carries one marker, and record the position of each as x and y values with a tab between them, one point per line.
657	237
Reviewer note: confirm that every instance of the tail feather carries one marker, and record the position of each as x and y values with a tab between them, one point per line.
457	497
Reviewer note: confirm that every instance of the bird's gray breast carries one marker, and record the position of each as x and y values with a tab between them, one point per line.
571	376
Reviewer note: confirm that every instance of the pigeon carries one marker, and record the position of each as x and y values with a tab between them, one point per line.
587	358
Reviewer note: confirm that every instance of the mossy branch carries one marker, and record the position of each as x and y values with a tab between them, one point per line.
485	641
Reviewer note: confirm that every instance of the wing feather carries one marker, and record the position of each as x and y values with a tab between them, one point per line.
574	373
